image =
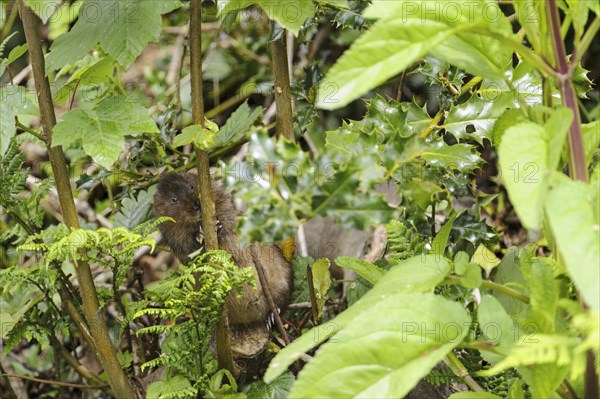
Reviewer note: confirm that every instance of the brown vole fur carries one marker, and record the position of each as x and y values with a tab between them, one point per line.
177	197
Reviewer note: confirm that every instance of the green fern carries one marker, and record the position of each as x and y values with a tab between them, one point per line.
403	242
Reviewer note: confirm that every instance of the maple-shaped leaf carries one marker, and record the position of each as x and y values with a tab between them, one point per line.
102	130
123	28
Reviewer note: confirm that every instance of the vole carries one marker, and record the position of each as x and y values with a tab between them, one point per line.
177	197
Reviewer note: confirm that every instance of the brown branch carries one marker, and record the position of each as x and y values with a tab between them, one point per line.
106	352
51	382
283	93
209	226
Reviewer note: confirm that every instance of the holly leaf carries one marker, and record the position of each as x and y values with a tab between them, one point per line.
102	130
123	28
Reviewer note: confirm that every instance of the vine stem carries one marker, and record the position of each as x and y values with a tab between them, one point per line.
209	225
496	287
104	348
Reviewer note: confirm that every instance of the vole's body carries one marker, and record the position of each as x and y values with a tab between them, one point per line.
177	197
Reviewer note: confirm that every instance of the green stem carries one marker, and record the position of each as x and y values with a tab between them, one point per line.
461	371
496	287
589	35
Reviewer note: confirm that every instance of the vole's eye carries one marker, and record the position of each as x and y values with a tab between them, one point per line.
173	199
190	186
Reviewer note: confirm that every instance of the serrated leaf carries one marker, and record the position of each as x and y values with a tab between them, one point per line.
97	73
14	101
460	156
278	388
366	270
476	113
203	137
16	52
237	125
123	28
572	209
101	131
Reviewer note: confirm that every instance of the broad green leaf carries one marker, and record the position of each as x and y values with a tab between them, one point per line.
523	157
509	271
486	259
14	101
557	129
438	246
497	327
102	130
532	18
135	211
366	270
168	386
472	276
123	28
461	261
572	209
543	294
379	54
277	389
591	139
237	125
415	275
291	14
94	74
460	157
321	282
386	351
508	119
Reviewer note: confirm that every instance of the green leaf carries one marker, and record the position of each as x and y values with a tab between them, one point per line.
14	101
101	131
380	53
557	128
16	52
366	270
543	294
572	209
461	262
321	282
460	157
135	211
291	14
591	139
88	75
203	137
417	274
237	125
177	385
476	114
486	259
278	388
523	157
497	327
122	28
386	351
438	246
43	8
472	277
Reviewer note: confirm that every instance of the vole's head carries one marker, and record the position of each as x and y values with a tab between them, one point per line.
177	197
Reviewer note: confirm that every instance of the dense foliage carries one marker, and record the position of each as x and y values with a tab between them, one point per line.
469	129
